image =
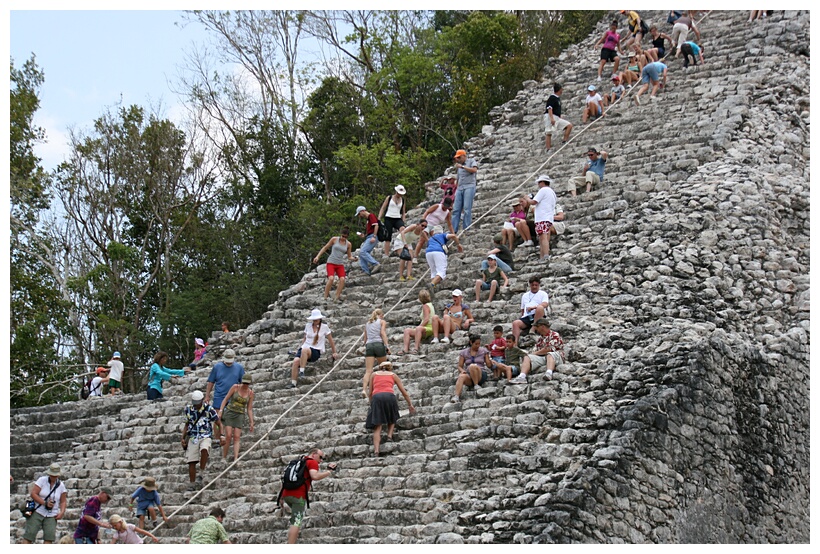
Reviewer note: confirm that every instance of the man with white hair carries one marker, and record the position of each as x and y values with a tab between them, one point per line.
224	375
196	436
544	202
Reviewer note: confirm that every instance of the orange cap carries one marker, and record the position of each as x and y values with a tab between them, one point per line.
460	153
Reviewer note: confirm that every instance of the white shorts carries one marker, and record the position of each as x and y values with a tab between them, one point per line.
560	124
438	264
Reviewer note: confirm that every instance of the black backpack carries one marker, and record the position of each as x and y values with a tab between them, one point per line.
294	477
85	391
381	232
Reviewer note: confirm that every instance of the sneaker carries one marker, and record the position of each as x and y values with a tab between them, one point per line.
199	479
599	78
291	385
527	243
191	487
301	374
546	259
435	340
653	98
520	380
445	340
402	279
549	375
411	278
455	399
477	386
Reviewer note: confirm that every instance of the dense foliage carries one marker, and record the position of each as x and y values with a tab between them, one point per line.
159	231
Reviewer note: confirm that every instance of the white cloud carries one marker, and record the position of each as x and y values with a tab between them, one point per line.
55	149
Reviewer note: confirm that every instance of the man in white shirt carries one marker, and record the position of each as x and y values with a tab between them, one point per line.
534	304
97	383
544	202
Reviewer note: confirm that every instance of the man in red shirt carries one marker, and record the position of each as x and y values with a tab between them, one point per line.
366	260
297	498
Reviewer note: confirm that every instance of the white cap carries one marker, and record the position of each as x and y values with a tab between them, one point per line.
197	396
591	88
360	209
458	292
228	356
543	177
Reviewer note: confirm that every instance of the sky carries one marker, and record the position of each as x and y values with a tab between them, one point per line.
93	60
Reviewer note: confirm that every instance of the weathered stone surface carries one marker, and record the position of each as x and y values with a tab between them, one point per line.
680	287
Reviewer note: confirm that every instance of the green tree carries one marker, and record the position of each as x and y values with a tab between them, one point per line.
39	315
130	189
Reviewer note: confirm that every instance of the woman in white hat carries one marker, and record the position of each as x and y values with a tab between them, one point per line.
316	333
393	213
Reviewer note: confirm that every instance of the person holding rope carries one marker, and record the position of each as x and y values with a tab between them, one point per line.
296	499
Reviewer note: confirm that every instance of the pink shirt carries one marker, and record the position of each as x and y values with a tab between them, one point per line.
129	536
382	383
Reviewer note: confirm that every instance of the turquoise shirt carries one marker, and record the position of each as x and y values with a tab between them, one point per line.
158	374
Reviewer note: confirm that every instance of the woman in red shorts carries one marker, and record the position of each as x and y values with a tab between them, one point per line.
340	248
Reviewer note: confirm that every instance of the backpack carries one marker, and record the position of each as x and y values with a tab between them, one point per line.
294	477
381	232
85	390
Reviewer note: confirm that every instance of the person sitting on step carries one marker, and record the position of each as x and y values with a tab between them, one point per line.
473	363
456	315
549	352
592	174
513	359
491	279
509	231
503	255
534	304
593	104
425	328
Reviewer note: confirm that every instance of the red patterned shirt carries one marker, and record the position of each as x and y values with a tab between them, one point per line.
552	340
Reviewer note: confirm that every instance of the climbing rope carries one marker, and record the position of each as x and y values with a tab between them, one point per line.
299	400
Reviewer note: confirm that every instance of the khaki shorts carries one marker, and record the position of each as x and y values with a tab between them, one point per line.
37	522
193	452
538	362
